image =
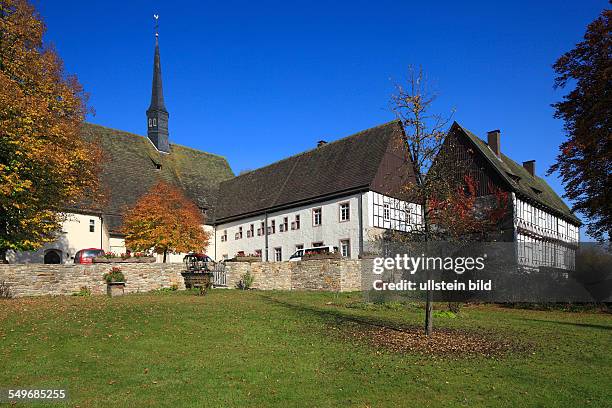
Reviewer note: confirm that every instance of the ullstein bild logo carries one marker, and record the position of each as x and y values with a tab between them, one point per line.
412	265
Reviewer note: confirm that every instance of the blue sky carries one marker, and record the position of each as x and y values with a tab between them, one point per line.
259	81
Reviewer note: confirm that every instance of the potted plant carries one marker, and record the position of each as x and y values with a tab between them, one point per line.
115	282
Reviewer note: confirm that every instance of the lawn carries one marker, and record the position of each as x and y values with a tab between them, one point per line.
233	348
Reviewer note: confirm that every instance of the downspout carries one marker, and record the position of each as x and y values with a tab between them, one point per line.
266	235
360	210
215	238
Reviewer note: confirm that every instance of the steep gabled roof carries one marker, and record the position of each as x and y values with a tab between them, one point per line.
343	166
520	181
132	165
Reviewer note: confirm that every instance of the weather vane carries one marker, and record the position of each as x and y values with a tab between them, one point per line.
156	17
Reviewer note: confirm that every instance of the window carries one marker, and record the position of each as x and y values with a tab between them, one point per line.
251	231
317	244
224	236
386	212
92	225
297	222
345	248
317	217
345	212
150	123
261	229
285	225
154	122
239	233
272	227
258	253
299	247
278	254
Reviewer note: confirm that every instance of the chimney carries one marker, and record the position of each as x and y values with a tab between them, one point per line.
493	140
530	167
321	143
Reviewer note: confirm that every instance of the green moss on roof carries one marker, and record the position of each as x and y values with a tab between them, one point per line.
522	183
131	163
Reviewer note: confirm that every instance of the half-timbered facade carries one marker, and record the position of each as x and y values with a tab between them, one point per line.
545	230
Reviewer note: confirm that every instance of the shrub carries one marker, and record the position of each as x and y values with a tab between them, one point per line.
84	291
445	313
115	275
246	281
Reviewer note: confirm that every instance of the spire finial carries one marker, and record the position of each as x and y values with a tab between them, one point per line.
156	17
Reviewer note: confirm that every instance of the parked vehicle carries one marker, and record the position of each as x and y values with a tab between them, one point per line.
297	255
86	256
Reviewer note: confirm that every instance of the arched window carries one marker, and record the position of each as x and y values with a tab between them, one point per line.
154	122
149	122
53	256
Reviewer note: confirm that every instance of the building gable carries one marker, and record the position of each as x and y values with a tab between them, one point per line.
346	165
516	177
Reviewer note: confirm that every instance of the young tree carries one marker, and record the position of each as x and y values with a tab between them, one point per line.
166	221
45	166
584	161
444	186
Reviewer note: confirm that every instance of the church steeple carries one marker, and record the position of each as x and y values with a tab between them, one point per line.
157	115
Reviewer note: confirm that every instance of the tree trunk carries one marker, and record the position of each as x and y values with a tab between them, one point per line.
165	252
429	298
428	312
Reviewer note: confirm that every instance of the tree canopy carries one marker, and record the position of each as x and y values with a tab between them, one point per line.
164	220
584	161
45	166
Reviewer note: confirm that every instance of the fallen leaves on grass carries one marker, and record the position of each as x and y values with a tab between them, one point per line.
443	341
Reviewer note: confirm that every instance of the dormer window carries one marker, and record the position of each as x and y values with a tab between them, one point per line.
535	190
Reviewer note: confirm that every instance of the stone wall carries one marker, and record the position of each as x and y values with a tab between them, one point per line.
41	279
324	274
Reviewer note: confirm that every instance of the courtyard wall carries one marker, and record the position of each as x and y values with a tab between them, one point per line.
66	279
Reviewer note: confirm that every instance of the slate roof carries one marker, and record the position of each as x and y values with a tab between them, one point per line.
521	182
348	164
130	170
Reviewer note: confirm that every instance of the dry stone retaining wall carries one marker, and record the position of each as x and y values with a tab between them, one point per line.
41	279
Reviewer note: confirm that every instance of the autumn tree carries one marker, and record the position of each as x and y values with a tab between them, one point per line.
164	220
45	166
444	187
584	161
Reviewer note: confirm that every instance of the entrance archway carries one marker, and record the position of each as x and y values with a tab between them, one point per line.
53	257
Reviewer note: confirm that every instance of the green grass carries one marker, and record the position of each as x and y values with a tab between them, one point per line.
233	348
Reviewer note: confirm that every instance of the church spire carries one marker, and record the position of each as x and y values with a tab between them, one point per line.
157	115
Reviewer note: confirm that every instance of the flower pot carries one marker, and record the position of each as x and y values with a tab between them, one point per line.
115	289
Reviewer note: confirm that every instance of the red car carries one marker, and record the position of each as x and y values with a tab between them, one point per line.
86	256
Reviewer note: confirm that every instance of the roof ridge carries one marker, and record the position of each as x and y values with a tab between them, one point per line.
320	147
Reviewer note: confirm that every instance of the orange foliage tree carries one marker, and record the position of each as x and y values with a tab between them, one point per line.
45	166
166	221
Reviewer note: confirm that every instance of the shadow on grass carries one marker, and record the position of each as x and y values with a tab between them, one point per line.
409	338
585	325
337	316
